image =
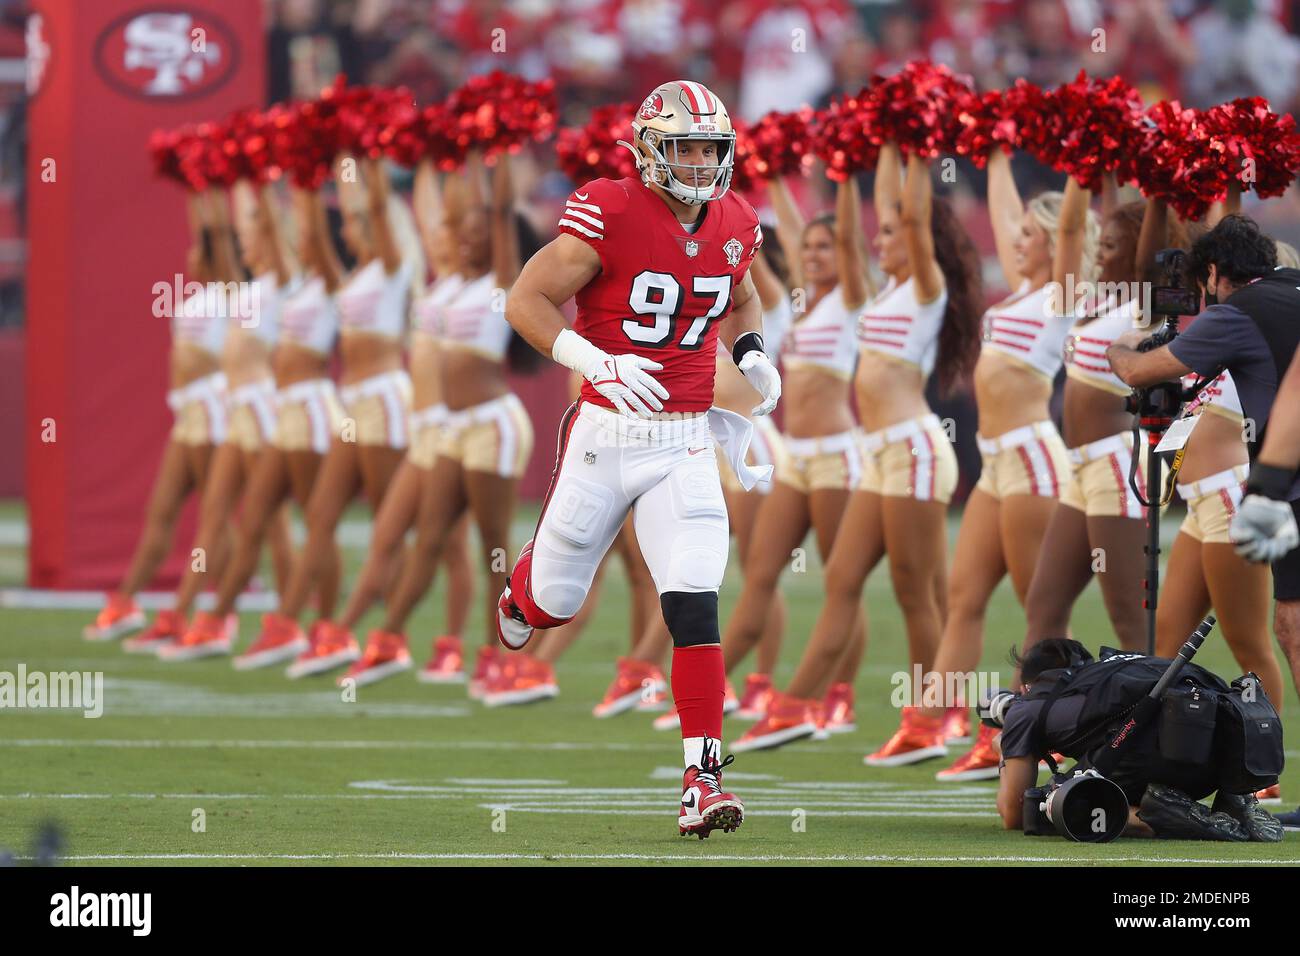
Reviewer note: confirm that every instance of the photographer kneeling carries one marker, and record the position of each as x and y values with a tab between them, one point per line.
1207	737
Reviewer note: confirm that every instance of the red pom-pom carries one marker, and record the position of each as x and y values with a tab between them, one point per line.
779	144
841	138
368	117
499	112
1257	147
1092	127
991	120
918	108
592	151
167	148
1177	162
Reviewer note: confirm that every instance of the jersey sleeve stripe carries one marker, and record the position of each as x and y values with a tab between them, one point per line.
574	204
582	229
598	223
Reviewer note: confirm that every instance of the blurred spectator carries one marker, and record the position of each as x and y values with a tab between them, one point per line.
1046	45
1242	51
900	39
787	51
1145	42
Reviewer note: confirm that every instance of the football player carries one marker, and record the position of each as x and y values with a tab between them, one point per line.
659	266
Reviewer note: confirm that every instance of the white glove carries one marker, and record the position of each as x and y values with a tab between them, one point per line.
1263	529
623	379
762	374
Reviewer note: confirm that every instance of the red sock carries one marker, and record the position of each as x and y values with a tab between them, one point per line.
698	680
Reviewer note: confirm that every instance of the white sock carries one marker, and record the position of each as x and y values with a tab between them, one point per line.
696	748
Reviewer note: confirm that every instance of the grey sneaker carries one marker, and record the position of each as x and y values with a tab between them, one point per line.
1173	815
1260	825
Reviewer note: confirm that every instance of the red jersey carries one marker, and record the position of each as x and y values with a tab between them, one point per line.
661	290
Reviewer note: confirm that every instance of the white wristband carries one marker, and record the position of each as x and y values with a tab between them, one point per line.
573	351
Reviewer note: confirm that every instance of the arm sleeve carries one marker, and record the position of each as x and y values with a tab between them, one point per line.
1213	341
1018	729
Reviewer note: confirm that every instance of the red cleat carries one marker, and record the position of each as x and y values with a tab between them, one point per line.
979	763
1271	794
384	656
918	738
513	629
486	670
208	636
281	640
329	646
837	709
956	725
705	805
787	719
120	616
758	694
167	628
446	665
634	682
522	679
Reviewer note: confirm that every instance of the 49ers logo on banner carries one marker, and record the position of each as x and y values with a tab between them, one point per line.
173	53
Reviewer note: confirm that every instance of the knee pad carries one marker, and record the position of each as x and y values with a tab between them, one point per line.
522	594
691	616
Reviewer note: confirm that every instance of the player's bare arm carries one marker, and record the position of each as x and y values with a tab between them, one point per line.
552	277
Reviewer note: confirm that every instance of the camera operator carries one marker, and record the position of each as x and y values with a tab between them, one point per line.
1251	327
1086	703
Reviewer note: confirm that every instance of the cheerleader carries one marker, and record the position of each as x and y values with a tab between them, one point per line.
925	319
437	223
488	435
197	400
1099	525
367	448
246	361
1041	247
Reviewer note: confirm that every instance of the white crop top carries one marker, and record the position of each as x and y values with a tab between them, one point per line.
1024	328
309	318
375	302
200	319
895	324
824	337
1219	395
1085	346
426	317
263	318
470	319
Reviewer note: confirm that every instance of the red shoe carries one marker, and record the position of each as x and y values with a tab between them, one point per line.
918	738
633	681
705	805
281	640
208	636
513	629
523	679
838	710
956	725
384	656
787	718
979	763
120	616
167	628
486	670
1271	794
329	646
446	665
758	694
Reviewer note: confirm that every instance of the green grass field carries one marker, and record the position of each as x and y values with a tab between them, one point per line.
288	772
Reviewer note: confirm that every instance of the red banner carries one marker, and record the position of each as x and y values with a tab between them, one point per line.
102	231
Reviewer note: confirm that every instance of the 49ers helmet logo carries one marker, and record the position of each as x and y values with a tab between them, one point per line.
652	107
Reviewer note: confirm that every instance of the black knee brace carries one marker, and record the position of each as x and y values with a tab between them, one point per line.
691	616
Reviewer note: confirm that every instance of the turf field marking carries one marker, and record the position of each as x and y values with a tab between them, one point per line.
274	744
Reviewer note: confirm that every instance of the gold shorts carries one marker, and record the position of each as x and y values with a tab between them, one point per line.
379	408
1098	484
1024	461
308	416
766	448
829	461
427	426
252	415
912	459
1211	503
494	437
200	412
